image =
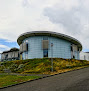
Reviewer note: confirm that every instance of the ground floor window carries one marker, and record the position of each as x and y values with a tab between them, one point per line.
26	55
45	53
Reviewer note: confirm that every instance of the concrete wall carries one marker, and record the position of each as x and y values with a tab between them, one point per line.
10	56
61	48
84	56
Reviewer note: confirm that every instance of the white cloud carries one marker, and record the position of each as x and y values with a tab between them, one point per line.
73	16
65	16
3	48
19	16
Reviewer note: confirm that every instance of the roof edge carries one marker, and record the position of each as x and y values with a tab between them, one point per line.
48	33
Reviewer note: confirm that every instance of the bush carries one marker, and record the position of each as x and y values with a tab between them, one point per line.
20	66
13	67
41	65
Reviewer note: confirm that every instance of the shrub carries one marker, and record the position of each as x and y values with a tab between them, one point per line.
20	66
41	65
13	67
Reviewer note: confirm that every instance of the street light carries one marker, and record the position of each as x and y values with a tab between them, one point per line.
0	56
52	57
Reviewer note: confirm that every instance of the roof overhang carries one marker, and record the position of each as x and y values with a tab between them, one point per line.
48	33
11	50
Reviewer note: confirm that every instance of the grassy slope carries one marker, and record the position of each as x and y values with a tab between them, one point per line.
6	79
42	66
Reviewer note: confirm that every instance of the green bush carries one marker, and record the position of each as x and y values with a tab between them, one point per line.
20	66
13	67
41	65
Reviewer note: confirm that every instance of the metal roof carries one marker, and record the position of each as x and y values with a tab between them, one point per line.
48	33
11	50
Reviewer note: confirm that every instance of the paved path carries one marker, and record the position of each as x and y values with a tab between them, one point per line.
42	75
71	81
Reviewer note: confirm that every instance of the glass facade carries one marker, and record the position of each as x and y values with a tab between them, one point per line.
40	47
45	38
45	53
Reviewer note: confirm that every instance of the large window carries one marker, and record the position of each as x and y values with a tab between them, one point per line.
26	55
45	53
45	43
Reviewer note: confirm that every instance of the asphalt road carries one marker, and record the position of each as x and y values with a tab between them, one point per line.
71	81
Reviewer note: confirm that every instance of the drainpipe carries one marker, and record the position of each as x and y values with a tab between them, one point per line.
52	57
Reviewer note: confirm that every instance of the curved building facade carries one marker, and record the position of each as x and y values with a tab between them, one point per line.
40	44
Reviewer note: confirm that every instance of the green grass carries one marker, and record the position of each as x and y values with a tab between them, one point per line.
41	66
6	79
36	66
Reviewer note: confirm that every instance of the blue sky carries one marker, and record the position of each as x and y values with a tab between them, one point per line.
70	17
7	44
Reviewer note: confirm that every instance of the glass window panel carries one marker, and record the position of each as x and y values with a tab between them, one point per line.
45	38
45	53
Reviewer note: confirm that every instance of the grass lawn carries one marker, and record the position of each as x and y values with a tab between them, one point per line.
36	66
6	79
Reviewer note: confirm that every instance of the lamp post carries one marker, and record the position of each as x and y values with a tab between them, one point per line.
0	56
52	57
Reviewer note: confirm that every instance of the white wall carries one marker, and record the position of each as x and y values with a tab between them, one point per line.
84	56
61	48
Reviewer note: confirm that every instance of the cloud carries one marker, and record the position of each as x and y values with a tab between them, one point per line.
3	48
19	16
73	16
65	16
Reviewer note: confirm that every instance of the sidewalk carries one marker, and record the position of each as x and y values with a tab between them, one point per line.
25	74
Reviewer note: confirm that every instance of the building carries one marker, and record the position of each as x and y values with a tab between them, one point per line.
12	54
84	56
40	44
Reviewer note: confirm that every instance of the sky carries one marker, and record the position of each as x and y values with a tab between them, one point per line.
70	17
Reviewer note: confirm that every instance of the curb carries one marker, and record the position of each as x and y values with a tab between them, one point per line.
41	78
